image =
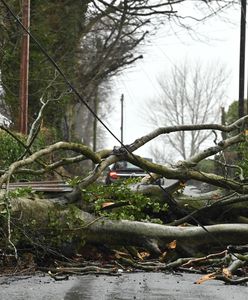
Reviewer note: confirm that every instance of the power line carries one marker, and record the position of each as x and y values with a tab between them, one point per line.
71	86
171	202
56	66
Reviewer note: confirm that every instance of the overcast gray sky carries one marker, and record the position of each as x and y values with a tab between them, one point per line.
217	39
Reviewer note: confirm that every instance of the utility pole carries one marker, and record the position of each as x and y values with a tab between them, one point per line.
223	122
95	120
122	100
24	69
242	58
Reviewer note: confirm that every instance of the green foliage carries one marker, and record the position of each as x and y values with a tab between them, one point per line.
20	192
5	207
236	152
56	235
5	202
11	149
135	206
232	113
46	237
74	181
243	163
207	166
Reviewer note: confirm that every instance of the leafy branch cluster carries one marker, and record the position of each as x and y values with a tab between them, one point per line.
118	202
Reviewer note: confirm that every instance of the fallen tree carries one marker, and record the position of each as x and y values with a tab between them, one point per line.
101	230
62	223
180	248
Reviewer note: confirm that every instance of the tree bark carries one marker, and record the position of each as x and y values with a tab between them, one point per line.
153	237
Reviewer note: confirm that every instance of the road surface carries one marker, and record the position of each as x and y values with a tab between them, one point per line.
142	286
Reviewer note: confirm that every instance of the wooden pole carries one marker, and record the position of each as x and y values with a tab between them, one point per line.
122	100
24	69
242	58
95	121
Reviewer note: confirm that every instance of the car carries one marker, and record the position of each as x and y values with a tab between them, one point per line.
124	170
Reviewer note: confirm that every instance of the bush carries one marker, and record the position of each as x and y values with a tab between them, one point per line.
12	150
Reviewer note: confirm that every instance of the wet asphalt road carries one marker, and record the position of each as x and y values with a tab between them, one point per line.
142	286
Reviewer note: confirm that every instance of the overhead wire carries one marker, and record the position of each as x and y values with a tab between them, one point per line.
171	202
60	71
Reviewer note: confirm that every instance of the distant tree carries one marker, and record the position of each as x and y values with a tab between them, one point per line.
189	94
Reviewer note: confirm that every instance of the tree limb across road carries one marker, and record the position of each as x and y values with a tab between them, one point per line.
68	221
183	170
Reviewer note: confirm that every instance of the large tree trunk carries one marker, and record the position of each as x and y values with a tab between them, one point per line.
153	237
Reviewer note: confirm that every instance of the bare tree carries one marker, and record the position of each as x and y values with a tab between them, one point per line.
189	94
112	35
